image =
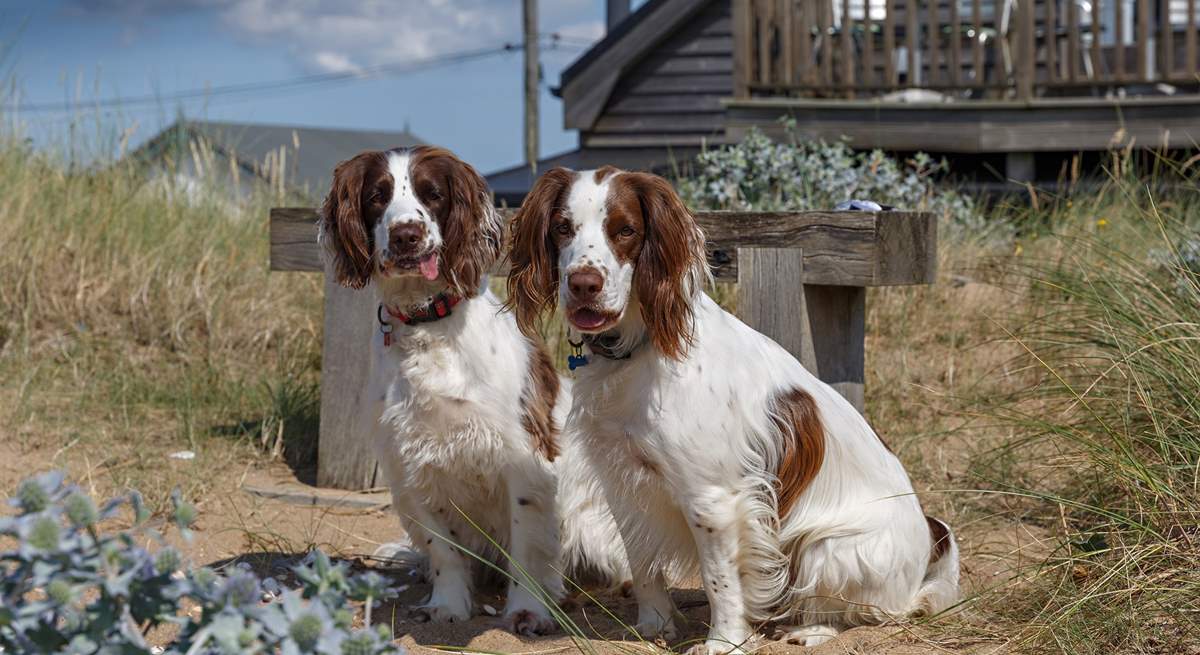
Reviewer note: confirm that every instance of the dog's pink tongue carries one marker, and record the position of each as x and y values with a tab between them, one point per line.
429	266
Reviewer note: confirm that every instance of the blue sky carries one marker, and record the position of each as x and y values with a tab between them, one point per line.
80	50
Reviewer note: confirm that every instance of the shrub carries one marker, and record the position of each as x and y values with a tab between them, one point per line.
69	588
765	175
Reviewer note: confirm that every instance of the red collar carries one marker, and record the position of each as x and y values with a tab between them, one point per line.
437	309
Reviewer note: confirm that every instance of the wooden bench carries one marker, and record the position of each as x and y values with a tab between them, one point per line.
802	279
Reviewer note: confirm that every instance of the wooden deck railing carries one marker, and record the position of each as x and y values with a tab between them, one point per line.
967	48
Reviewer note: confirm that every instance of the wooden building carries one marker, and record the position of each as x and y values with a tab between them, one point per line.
1008	89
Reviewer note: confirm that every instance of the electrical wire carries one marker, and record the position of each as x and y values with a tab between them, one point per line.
232	91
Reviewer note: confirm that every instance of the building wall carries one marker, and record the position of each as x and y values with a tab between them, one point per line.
672	96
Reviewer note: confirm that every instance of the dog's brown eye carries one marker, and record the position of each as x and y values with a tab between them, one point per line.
563	229
434	194
627	231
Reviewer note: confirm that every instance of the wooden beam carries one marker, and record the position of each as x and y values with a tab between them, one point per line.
856	249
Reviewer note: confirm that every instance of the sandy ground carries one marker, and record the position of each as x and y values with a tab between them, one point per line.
270	535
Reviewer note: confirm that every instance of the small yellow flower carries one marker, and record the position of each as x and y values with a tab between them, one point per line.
1102	222
1018	250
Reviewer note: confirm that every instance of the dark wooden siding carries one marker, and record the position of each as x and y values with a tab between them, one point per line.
673	95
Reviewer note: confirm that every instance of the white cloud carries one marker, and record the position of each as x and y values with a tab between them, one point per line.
341	36
336	36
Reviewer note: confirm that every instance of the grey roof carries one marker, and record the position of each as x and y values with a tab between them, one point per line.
311	164
510	185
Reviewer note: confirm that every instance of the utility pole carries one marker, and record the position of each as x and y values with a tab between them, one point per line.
531	84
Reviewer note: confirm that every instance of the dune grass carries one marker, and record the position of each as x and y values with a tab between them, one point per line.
137	316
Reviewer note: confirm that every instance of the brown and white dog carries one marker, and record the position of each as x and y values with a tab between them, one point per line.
715	447
468	410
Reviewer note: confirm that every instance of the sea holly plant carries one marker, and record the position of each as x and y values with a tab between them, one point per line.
797	174
66	586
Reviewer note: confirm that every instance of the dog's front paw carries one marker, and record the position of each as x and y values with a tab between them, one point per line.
529	623
810	635
656	627
445	610
440	614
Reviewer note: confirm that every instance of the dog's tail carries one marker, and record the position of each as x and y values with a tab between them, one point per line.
940	587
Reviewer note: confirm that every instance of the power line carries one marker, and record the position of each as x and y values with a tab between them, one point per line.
230	90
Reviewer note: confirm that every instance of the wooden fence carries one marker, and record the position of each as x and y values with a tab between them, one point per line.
973	48
801	280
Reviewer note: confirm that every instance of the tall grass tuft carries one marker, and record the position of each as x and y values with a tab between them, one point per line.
1108	435
137	314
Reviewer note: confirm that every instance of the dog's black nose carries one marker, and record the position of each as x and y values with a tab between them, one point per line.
405	237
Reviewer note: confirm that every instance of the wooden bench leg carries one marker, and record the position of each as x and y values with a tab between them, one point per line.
822	326
345	459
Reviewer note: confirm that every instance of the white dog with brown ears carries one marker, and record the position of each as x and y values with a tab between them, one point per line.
715	447
468	409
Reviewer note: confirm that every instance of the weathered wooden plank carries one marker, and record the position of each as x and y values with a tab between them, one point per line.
345	459
1190	39
688	65
841	248
765	15
771	299
637	84
1143	40
955	44
933	46
743	47
1167	38
1119	39
1026	64
1042	124
787	21
804	32
707	123
822	326
698	46
1073	51
666	104
825	21
1051	30
913	74
889	44
846	36
980	75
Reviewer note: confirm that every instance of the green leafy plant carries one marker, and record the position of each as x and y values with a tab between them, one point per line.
762	174
69	587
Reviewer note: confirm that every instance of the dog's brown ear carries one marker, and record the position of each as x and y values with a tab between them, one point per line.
471	232
670	266
345	233
533	278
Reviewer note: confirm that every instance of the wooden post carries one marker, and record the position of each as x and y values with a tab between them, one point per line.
531	83
345	459
743	50
1026	66
822	326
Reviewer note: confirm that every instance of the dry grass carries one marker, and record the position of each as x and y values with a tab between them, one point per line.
138	318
